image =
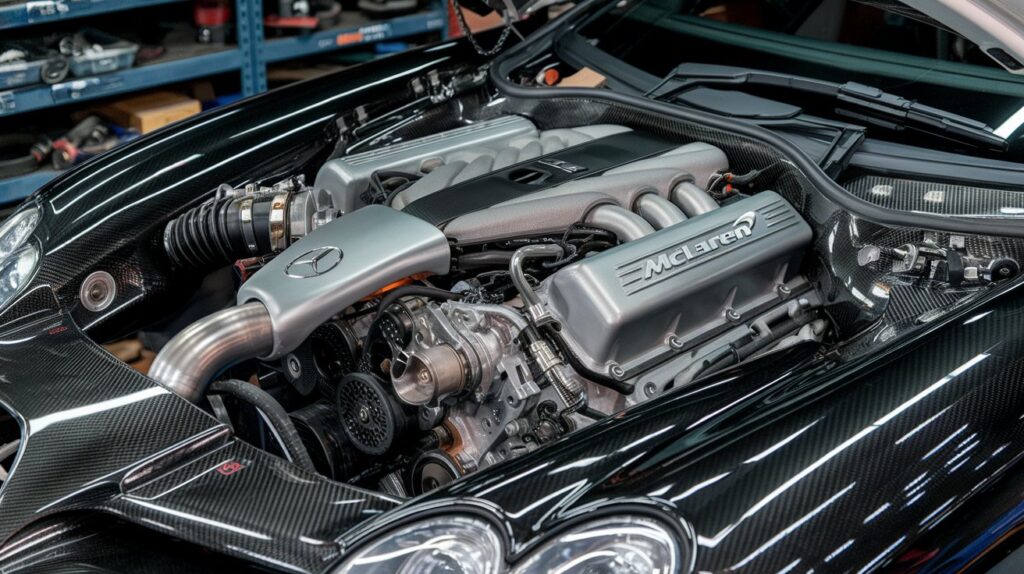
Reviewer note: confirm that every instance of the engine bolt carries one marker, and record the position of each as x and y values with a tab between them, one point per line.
617	371
650	388
732	315
675	342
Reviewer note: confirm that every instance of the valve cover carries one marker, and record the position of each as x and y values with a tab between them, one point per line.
631	306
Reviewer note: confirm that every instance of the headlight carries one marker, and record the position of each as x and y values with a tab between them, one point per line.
613	545
16	229
16	271
449	545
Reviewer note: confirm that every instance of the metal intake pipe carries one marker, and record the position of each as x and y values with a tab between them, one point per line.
625	224
692	199
658	211
190	361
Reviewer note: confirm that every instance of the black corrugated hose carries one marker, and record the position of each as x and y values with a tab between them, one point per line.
275	414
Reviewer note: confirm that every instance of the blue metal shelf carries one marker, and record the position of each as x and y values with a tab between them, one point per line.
30	98
18	188
356	29
249	58
43	11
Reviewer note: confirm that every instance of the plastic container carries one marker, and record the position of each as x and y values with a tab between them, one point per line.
91	52
23	64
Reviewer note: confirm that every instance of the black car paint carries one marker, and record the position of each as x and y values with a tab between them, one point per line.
771	470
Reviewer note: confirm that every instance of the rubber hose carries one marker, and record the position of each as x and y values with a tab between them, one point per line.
275	414
20	152
484	259
413	290
216	234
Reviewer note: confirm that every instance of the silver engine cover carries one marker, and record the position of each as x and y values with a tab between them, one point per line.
630	307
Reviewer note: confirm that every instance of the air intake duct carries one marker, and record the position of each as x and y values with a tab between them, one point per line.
281	305
246	222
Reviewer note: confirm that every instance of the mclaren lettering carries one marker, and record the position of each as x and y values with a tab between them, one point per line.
742	228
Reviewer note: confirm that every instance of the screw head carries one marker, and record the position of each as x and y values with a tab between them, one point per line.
617	371
650	388
732	315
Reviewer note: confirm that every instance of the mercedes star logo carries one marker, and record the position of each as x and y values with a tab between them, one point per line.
314	263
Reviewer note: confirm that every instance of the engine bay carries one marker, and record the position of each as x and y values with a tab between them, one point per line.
429	306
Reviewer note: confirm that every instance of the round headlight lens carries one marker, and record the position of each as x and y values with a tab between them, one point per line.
613	545
16	271
448	545
16	229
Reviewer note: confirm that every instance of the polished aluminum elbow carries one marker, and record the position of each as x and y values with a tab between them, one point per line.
189	362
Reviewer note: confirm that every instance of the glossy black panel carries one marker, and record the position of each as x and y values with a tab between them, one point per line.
86	417
97	435
80	543
839	469
245	502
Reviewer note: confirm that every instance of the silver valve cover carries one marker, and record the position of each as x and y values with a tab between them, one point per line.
630	307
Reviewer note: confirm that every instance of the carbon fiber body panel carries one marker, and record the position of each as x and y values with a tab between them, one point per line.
99	436
938	198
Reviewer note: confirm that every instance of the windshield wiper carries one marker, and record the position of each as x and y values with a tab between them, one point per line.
863	103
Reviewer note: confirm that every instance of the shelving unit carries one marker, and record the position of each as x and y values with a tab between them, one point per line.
45	11
133	79
355	29
249	58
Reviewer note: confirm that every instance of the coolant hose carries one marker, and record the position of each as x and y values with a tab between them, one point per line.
621	387
275	415
540	318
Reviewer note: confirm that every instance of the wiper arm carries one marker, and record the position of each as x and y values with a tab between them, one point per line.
872	105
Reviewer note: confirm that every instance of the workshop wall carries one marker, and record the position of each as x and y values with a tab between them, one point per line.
78	77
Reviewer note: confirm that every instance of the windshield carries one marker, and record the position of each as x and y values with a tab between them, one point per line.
899	51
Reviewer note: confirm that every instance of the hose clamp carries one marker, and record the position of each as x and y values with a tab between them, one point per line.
245	213
279	222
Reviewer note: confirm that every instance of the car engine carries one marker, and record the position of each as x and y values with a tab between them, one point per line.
447	302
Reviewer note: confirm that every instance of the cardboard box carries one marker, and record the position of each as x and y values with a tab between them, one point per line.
151	111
